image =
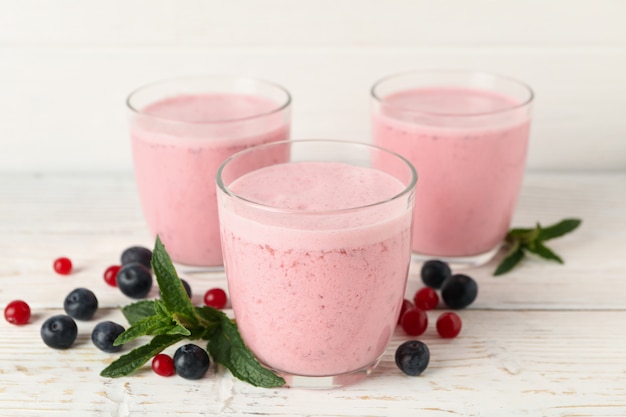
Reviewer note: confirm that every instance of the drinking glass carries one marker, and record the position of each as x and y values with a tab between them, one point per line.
181	131
316	238
467	134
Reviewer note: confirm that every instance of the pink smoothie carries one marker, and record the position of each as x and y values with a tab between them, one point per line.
316	293
470	168
178	145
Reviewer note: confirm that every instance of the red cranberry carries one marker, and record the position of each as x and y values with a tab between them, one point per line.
449	325
414	321
110	275
62	266
216	298
406	306
426	298
163	365
17	312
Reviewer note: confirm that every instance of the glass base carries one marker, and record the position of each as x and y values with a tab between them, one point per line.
328	382
193	269
208	271
457	262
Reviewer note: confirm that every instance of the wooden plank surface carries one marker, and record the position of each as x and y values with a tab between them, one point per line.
544	340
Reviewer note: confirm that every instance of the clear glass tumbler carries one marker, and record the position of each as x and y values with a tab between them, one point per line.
181	131
316	242
467	134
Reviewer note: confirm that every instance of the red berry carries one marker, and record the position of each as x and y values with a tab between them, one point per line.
63	266
414	321
449	325
17	312
163	365
216	298
426	298
406	305
110	275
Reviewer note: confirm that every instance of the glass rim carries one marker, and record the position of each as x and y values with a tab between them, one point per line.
281	210
144	87
523	85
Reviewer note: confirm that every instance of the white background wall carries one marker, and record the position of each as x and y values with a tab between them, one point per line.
66	67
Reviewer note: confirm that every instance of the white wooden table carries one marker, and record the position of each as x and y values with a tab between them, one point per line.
544	340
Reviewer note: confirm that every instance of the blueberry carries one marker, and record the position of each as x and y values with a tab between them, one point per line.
104	334
187	288
434	273
81	304
59	331
137	254
459	291
412	357
134	280
191	361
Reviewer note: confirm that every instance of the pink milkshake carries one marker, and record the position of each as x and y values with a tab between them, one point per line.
468	145
180	136
316	254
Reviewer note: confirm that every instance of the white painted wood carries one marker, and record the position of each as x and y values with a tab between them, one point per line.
63	108
66	67
320	23
544	340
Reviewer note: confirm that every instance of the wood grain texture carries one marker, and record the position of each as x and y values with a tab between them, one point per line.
544	340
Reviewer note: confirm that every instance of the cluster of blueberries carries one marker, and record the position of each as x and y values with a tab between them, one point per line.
134	279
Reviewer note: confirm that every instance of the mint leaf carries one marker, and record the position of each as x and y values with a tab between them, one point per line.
149	326
559	229
173	293
228	349
512	258
178	329
136	358
531	240
523	235
538	248
139	310
174	318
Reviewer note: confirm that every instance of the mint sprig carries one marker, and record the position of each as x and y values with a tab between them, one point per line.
174	318
523	241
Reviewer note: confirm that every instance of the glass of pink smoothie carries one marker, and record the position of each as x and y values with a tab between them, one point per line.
181	131
316	252
466	133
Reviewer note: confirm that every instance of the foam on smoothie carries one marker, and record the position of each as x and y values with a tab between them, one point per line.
178	145
469	149
317	293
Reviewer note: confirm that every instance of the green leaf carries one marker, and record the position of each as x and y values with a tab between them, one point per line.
512	258
531	240
210	318
178	329
149	326
174	318
138	311
228	349
522	235
133	360
160	310
559	229
540	249
185	321
173	293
